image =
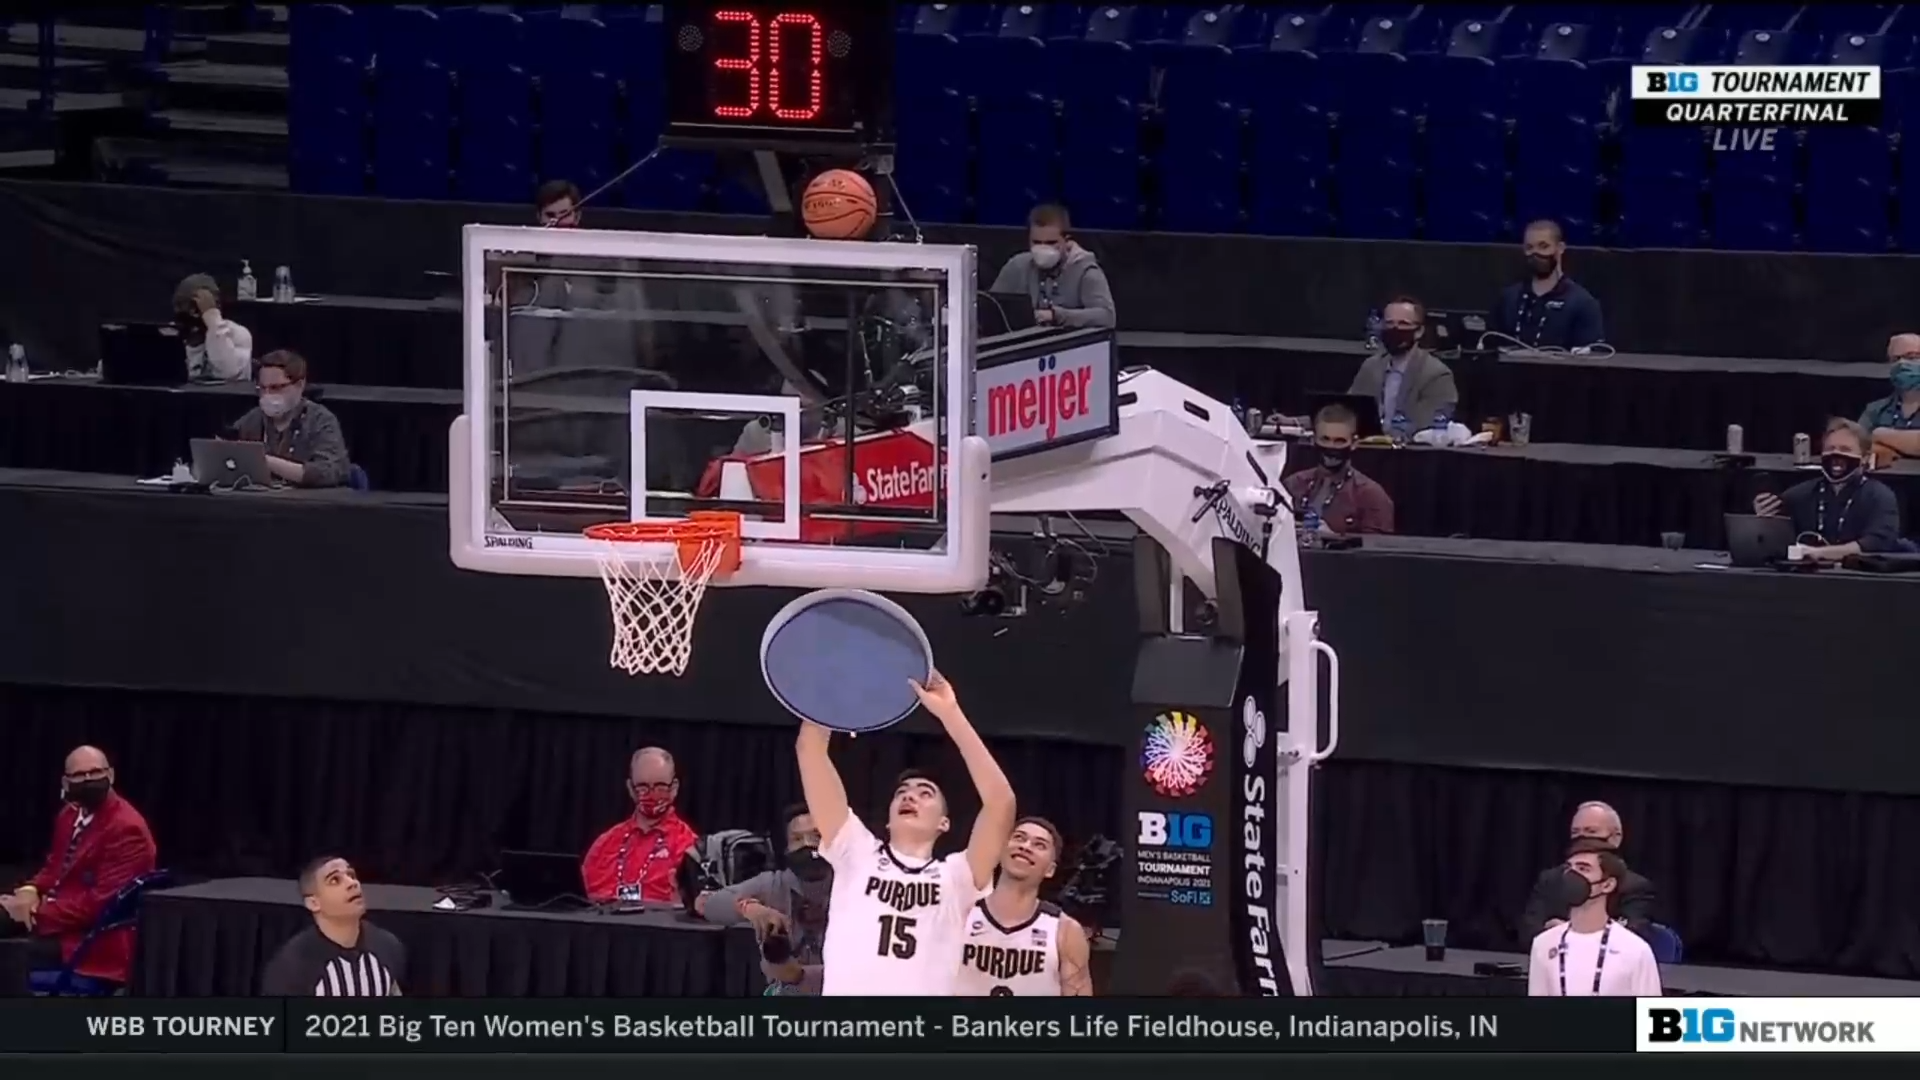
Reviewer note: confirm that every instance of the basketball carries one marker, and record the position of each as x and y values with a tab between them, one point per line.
838	205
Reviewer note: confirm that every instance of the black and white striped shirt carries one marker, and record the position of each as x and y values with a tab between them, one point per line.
313	965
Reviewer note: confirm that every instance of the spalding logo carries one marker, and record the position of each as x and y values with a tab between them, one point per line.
1255	723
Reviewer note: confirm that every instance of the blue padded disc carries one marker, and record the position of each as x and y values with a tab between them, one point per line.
842	657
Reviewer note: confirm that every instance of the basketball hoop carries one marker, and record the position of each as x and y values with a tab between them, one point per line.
655	592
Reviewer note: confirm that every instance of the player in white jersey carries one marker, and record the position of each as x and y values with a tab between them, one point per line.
897	916
1017	945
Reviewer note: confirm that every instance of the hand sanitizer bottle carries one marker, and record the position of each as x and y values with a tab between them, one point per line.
248	289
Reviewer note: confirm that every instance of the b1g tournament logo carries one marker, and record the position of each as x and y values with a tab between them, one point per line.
1178	755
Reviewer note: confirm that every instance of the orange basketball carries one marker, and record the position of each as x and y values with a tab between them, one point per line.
838	205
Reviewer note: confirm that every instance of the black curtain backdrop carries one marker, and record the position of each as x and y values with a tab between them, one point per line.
83	253
250	786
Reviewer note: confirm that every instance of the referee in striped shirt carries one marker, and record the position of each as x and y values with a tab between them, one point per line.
341	954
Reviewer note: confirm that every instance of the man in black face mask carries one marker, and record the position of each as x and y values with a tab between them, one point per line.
100	845
1415	390
1547	310
787	908
1844	512
1334	496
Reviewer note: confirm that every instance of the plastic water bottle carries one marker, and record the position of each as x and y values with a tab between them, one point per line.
1442	424
1310	521
1398	429
248	289
283	286
1373	329
17	363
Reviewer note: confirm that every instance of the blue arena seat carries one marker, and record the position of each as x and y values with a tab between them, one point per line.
407	34
1466	201
1764	47
1200	164
327	127
413	129
1849	184
1741	18
933	154
1659	186
1100	162
679	181
1017	125
579	98
1752	213
495	162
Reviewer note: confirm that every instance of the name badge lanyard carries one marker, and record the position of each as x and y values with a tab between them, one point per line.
1326	492
1840	523
1599	965
639	885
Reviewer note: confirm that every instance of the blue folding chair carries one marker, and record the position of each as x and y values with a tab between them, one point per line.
121	912
1666	945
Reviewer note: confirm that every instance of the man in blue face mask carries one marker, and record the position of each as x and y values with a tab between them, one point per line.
1894	420
1844	512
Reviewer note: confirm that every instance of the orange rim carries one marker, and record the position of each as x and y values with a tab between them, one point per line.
701	530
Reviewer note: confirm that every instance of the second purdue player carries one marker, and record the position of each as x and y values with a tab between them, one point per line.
1018	946
897	916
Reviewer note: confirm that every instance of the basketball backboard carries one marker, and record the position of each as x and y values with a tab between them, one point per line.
821	389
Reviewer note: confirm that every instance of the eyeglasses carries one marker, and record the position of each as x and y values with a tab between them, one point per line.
652	789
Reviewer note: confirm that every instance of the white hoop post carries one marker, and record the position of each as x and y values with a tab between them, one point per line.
654	601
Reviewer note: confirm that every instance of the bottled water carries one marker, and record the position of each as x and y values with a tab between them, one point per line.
1373	329
17	363
248	289
283	286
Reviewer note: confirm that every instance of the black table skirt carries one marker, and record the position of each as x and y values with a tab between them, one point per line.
381	342
15	962
85	426
1367	982
197	947
363	342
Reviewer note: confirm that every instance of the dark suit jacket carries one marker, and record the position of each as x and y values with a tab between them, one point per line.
1426	389
1632	902
115	848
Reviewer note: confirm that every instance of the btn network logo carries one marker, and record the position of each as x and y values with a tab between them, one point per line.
1177	757
1179	832
1786	1024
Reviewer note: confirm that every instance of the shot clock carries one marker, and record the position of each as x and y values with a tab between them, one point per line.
801	76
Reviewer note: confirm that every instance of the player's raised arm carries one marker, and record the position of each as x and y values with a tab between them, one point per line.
1076	978
997	810
820	782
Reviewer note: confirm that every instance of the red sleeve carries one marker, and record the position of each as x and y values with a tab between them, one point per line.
49	870
596	870
1376	510
128	852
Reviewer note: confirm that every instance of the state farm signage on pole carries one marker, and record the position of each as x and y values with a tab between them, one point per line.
1046	401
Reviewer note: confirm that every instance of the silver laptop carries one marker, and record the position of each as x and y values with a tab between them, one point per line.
220	463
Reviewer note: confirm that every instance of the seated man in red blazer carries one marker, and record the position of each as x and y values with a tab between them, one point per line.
100	843
635	860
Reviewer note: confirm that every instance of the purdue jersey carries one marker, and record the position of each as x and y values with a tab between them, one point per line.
1010	961
894	927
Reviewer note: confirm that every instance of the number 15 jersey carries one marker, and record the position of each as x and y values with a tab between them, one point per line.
894	928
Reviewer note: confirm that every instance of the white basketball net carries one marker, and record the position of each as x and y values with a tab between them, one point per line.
654	601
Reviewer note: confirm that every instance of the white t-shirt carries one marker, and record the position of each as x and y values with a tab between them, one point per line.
894	928
1629	969
1010	961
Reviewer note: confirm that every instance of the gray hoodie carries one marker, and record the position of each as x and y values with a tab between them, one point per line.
803	903
1077	289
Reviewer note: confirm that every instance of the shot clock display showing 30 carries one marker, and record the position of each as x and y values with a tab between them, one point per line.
801	76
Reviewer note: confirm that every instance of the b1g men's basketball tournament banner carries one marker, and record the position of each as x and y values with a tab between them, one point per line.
1199	894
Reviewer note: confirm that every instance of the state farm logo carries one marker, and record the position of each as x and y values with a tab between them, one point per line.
884	485
1030	404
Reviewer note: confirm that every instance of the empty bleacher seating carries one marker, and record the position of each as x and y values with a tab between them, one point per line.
1453	122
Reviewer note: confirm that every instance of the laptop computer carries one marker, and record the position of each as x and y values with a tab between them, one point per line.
1753	540
142	354
222	463
540	879
1454	330
1002	313
1365	409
